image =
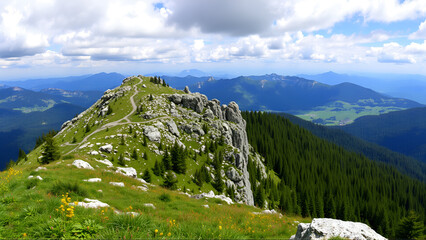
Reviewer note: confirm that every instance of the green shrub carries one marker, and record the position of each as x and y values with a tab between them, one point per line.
59	188
165	197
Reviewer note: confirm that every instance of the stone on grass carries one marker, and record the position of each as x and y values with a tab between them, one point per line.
325	228
82	164
150	205
106	162
117	184
106	148
36	177
40	168
90	203
212	195
130	172
93	180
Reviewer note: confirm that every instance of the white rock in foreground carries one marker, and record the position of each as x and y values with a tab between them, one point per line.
130	172
93	180
150	205
90	203
106	148
82	164
325	228
106	162
211	195
117	184
36	177
40	168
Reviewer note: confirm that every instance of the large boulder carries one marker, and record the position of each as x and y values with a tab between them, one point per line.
173	128
82	164
325	228
130	172
106	148
152	133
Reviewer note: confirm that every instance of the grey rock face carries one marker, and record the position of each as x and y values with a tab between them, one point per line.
173	128
106	148
232	174
325	228
234	134
186	90
152	133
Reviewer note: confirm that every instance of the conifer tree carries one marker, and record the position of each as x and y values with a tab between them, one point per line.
50	151
167	160
147	176
170	181
135	154
22	155
145	156
410	227
121	160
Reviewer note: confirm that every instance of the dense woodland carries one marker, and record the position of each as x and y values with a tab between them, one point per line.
405	164
321	179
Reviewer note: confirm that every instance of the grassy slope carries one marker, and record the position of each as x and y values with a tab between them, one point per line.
28	207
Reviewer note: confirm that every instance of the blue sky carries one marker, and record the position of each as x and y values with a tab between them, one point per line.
43	38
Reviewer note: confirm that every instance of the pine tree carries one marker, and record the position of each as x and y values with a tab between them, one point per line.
121	160
170	181
145	156
147	176
135	154
22	155
122	142
50	152
218	182
167	160
178	159
150	97
87	129
410	227
145	142
156	170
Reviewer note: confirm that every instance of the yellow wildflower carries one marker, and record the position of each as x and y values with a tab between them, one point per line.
220	227
169	234
156	231
24	235
161	234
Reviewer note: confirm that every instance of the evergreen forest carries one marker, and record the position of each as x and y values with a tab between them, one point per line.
320	179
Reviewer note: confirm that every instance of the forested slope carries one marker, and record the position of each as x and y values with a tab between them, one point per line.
403	163
320	179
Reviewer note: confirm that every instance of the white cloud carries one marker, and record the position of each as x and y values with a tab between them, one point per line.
392	53
420	33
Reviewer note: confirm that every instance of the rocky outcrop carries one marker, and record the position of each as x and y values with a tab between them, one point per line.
152	133
325	228
171	125
130	172
234	134
82	164
106	148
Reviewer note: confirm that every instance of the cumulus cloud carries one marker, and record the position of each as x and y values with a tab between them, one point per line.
420	33
82	32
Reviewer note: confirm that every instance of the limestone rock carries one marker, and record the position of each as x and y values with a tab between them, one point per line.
93	180
82	164
36	177
91	203
130	172
117	184
152	133
325	228
186	90
173	128
232	174
150	205
40	168
106	162
106	148
212	195
208	114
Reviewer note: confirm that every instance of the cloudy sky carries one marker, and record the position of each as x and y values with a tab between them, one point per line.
41	38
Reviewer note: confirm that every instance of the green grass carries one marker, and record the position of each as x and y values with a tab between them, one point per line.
29	207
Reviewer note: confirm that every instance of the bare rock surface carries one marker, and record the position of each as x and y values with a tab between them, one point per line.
82	164
325	228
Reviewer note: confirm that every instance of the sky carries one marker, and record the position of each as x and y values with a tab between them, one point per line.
44	38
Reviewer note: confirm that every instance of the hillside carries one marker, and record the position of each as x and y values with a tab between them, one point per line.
143	130
144	135
401	131
310	100
322	179
407	165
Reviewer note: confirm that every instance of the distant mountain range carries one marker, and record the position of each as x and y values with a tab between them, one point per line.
399	85
312	100
26	114
93	82
401	131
